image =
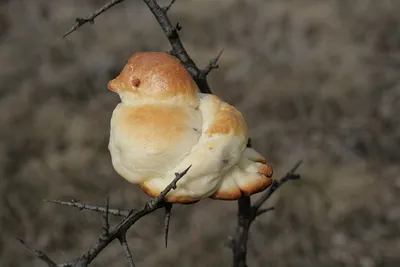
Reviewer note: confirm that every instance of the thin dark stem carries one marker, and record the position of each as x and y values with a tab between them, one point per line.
39	254
239	242
169	6
82	206
291	175
127	251
262	211
81	21
212	65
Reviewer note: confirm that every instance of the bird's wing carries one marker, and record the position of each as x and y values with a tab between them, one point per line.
219	148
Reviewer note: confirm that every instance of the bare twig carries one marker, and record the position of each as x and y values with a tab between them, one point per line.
212	65
81	21
239	241
115	232
262	211
291	175
40	255
127	251
82	206
169	6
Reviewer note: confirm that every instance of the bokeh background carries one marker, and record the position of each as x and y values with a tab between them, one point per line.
316	80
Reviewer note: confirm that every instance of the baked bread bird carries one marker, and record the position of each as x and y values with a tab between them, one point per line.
164	124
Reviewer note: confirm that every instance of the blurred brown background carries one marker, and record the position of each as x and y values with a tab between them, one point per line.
316	80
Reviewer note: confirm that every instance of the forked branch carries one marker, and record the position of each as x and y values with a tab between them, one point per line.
247	214
116	232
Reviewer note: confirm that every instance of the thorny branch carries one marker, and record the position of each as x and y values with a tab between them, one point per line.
247	212
40	255
212	65
82	206
171	32
90	19
126	249
291	175
115	232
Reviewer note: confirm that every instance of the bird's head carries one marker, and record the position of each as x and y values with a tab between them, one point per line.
154	76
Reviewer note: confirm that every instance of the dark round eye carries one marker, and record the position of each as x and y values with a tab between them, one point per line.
135	81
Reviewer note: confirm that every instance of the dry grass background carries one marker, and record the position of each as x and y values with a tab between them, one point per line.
316	80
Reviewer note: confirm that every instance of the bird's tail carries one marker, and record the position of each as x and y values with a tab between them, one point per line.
251	175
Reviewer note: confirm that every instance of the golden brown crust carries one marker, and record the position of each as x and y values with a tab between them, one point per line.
155	75
262	181
266	170
248	190
227	195
171	199
227	120
258	185
157	127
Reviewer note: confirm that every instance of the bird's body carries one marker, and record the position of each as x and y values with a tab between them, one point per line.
163	125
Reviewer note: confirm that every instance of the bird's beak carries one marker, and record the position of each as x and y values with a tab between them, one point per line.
114	85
